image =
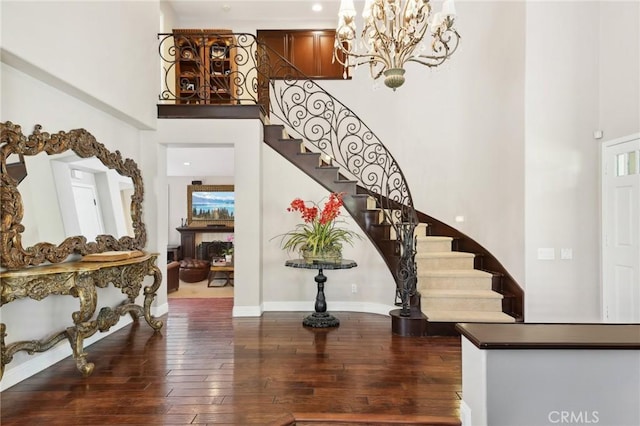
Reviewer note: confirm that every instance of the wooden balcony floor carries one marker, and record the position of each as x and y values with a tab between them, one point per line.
206	367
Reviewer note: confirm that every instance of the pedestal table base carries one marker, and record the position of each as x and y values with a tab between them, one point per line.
321	320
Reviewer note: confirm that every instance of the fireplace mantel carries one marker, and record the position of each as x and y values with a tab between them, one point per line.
188	237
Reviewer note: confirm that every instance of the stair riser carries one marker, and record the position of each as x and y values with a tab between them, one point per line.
308	162
421	230
454	283
347	187
461	304
326	173
443	263
433	246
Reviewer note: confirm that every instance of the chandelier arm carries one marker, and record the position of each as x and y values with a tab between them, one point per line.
362	59
407	53
383	39
361	55
420	28
393	34
439	59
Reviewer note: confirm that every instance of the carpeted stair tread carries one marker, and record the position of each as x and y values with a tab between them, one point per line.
468	316
432	238
457	293
461	273
445	254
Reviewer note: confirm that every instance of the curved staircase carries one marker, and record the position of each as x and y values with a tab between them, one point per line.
434	266
451	289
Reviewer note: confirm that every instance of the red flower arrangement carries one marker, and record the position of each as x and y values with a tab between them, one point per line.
318	233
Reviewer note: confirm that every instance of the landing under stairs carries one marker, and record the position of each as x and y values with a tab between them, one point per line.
452	288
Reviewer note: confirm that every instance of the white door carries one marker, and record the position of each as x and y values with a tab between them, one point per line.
89	216
621	230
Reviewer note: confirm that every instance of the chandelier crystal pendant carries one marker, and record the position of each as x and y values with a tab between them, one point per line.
395	32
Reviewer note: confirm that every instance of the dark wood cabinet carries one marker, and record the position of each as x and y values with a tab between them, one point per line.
311	51
205	66
173	279
188	243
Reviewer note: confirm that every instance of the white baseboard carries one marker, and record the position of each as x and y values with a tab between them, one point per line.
247	311
158	311
465	414
61	351
309	306
43	360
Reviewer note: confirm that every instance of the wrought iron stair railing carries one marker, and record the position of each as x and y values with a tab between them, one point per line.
249	72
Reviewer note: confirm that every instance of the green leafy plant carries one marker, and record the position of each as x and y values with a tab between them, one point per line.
229	251
319	232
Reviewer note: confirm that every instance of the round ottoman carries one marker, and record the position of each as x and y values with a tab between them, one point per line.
194	270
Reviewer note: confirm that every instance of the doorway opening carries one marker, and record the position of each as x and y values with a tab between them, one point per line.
206	166
621	230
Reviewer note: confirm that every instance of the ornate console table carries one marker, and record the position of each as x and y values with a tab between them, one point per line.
80	280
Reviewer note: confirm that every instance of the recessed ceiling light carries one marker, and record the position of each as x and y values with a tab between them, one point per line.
186	163
317	7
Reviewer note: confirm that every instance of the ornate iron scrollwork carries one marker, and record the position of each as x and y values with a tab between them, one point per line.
262	76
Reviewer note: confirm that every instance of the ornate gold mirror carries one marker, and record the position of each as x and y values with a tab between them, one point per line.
73	183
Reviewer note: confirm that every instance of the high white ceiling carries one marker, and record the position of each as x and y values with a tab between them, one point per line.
293	11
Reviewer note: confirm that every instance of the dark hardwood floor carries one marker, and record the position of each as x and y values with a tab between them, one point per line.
206	367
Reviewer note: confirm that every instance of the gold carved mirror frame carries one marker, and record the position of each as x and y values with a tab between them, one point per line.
12	254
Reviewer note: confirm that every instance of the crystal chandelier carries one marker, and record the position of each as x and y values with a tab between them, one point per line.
393	34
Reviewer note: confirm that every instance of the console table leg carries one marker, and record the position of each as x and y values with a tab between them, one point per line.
86	293
320	318
76	339
3	349
150	294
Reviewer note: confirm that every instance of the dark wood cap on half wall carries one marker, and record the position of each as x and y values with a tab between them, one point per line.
551	336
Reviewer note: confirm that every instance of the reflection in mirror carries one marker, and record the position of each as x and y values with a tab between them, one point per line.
65	195
98	196
16	167
77	198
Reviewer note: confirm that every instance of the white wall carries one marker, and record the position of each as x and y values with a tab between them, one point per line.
178	199
94	78
457	131
534	386
500	134
246	138
294	289
561	189
55	111
101	49
619	68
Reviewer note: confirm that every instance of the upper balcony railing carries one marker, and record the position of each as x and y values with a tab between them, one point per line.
224	68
